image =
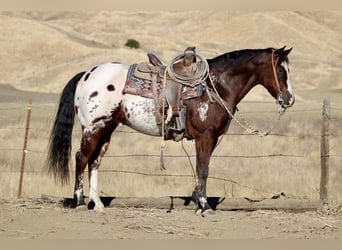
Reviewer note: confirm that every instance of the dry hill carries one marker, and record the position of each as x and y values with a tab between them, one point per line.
41	51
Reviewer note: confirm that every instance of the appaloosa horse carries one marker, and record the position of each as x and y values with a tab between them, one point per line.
98	99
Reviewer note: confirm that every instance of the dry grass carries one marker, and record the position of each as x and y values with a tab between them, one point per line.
249	166
77	41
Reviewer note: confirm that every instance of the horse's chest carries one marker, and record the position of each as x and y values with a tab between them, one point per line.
202	110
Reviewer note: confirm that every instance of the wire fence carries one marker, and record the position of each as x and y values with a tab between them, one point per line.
13	126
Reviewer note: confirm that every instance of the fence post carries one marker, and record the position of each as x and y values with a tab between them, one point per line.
29	108
324	187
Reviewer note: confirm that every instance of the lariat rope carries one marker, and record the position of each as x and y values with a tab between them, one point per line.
198	76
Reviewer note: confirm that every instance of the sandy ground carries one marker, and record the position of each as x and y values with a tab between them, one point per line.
42	219
42	51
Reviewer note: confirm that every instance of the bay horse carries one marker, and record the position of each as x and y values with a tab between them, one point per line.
96	97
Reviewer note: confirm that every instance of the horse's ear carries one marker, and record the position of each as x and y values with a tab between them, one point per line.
280	51
286	52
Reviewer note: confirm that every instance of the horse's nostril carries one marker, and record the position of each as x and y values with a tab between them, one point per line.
281	102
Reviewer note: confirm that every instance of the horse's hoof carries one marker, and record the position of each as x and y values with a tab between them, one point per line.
99	209
81	207
198	211
207	212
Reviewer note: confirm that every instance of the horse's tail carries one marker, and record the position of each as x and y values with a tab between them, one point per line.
61	134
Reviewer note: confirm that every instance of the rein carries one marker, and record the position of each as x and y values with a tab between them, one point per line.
246	126
243	123
275	73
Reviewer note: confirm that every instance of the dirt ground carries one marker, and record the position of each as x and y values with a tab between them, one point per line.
48	219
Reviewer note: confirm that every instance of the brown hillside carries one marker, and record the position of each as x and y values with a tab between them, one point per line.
41	51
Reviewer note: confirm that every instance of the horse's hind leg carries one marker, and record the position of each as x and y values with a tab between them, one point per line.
88	145
94	164
81	162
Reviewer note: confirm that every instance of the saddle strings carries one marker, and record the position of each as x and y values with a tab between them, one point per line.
162	143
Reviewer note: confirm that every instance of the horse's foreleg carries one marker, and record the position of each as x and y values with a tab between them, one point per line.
199	194
204	148
93	179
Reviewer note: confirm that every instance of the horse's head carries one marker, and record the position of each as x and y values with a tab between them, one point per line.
277	77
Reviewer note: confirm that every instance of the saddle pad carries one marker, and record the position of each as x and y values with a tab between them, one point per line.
140	86
132	77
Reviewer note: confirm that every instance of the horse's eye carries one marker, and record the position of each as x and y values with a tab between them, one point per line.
281	71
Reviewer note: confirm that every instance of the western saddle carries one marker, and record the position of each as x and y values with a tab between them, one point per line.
147	80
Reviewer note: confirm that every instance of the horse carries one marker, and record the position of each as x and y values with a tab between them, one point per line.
96	96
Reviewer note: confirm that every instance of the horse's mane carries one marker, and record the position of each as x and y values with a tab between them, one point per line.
236	58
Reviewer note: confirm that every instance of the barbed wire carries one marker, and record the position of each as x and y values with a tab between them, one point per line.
14	108
78	130
154	175
166	155
335	121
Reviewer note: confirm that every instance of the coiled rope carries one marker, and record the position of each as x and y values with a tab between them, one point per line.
198	76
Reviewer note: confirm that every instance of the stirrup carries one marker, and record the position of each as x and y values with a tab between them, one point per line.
176	130
177	125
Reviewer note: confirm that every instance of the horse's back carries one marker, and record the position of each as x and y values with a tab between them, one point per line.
99	93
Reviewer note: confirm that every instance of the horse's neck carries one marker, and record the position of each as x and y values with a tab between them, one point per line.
235	87
246	87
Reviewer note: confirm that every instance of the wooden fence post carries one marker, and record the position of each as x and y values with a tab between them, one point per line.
29	108
324	187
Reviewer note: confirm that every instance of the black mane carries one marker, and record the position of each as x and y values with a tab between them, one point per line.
236	58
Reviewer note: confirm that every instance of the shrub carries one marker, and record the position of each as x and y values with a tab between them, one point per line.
132	43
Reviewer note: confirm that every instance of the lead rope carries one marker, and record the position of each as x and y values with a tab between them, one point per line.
243	123
189	159
246	125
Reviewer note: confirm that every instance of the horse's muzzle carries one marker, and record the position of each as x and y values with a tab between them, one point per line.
286	100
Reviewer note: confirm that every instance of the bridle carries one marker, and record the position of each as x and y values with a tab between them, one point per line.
243	123
274	66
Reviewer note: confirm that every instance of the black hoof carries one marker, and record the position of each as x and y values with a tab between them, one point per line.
72	203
